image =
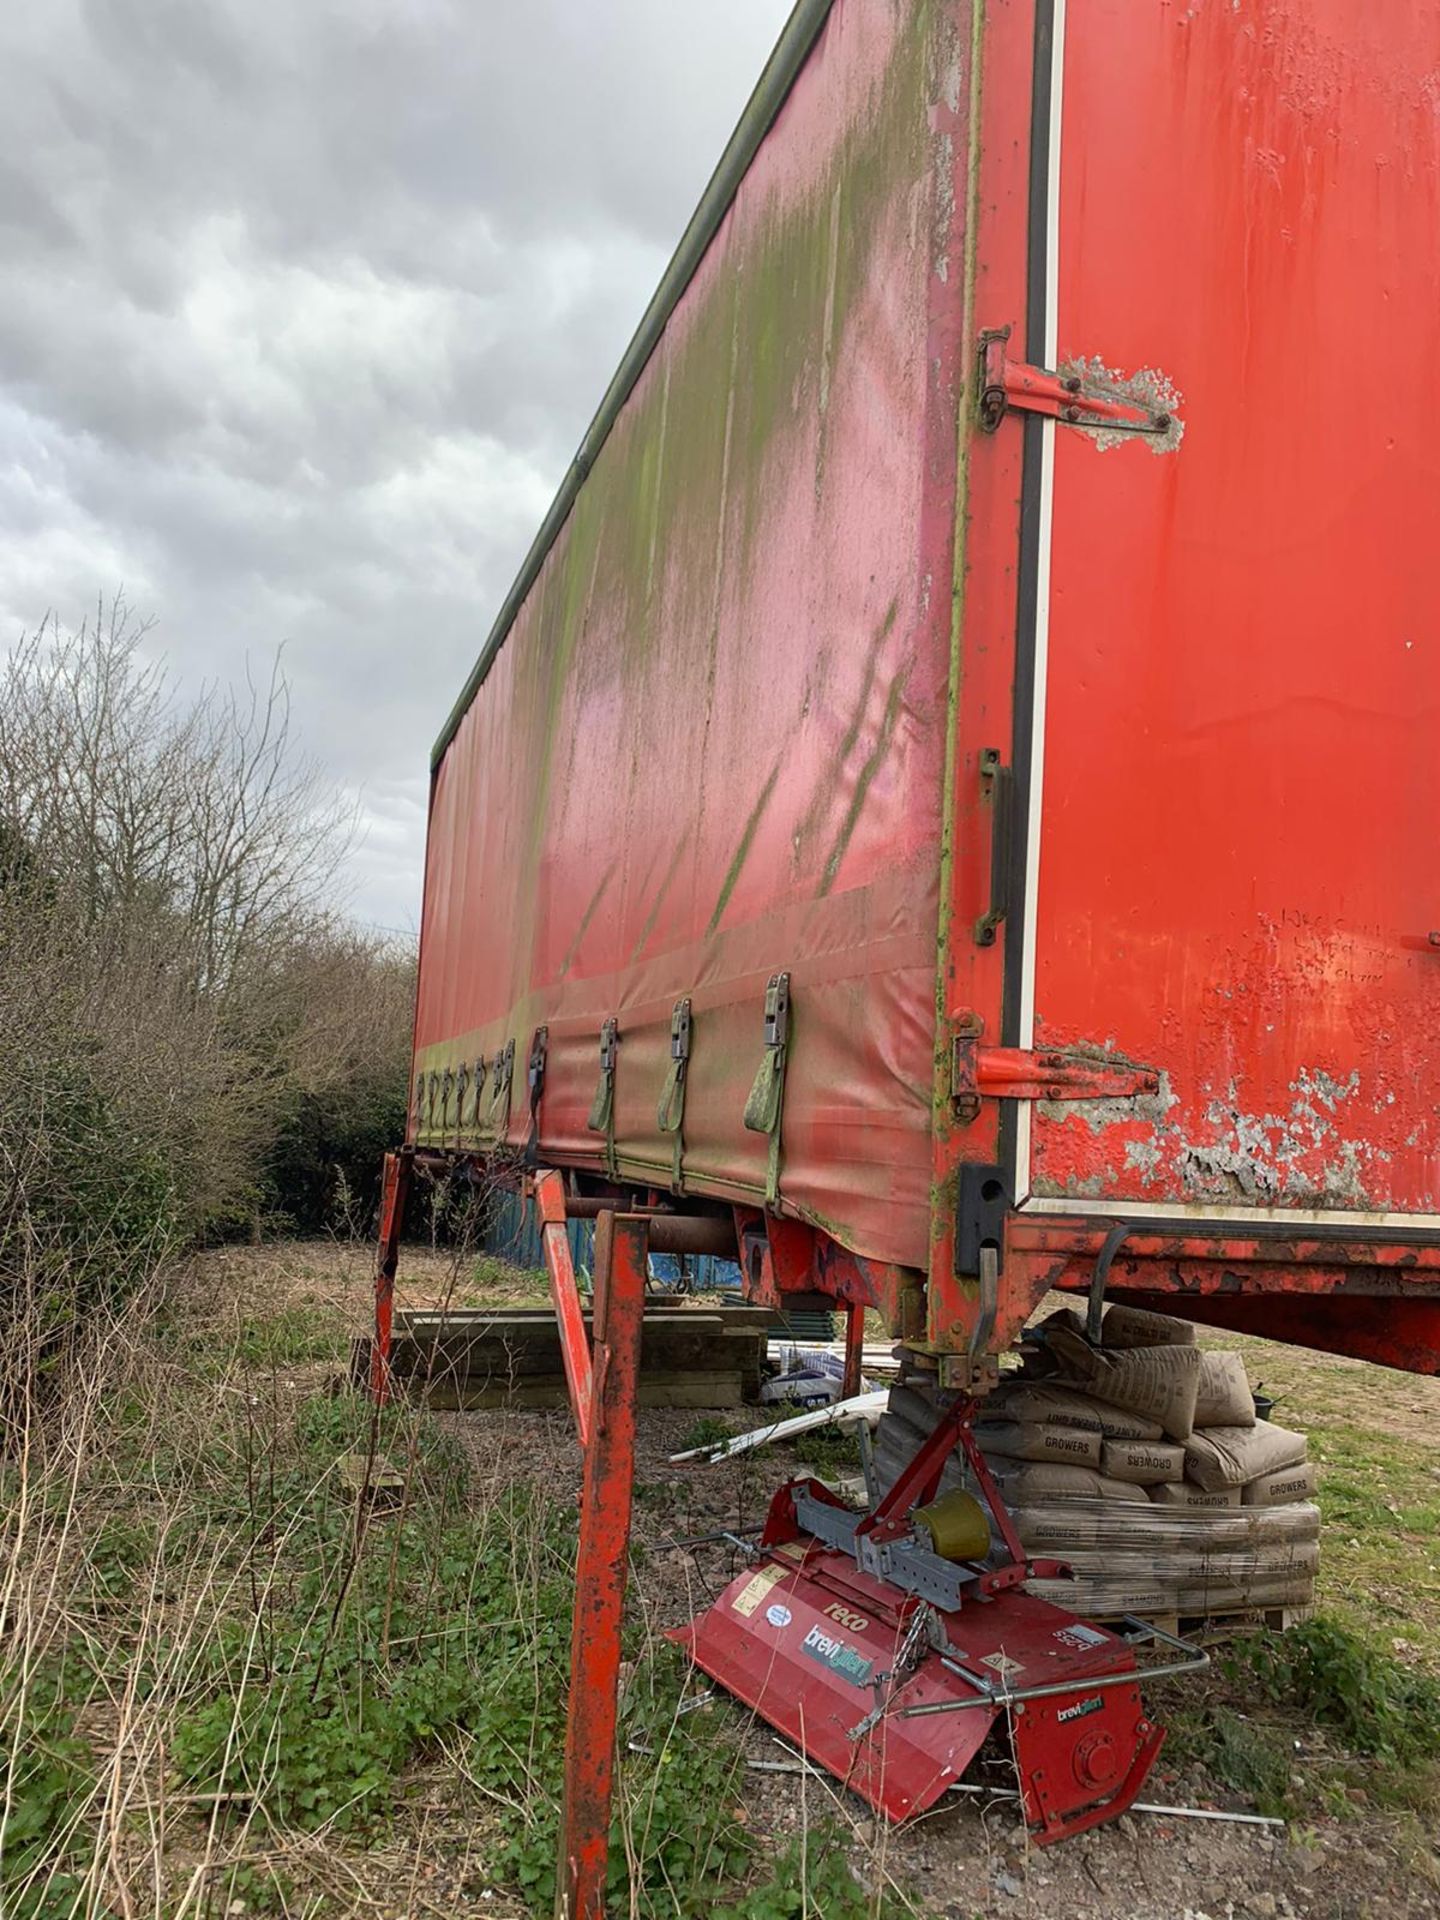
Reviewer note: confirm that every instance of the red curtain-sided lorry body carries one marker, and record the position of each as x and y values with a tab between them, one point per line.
954	789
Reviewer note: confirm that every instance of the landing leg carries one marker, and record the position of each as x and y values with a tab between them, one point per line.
854	1348
621	1259
394	1185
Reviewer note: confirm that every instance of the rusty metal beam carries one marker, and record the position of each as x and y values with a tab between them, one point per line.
854	1348
1392	1331
589	1206
394	1185
1387	1255
692	1233
621	1256
1372	1296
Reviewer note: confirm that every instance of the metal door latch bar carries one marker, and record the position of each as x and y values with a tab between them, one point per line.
1070	398
535	1080
1022	1073
601	1118
997	788
501	1080
602	1106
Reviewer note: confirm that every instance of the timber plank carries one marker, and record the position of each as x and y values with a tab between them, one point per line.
655	1390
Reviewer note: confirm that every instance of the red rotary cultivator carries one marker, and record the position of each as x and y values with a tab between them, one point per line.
887	1645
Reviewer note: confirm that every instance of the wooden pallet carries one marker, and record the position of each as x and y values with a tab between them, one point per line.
473	1358
1211	1627
1208	1628
688	1389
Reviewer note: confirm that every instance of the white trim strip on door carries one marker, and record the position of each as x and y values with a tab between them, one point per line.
1028	930
1320	1218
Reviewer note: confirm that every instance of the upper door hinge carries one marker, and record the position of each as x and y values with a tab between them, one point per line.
1021	1073
1074	399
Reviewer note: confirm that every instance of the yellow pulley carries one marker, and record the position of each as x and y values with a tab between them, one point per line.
957	1526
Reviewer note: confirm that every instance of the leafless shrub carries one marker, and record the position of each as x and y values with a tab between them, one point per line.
176	980
200	810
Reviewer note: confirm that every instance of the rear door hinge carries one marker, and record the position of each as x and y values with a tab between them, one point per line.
1021	1073
1074	399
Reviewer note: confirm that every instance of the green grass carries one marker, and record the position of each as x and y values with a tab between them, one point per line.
316	1674
287	1336
707	1431
494	1280
291	1337
1316	1721
1380	1559
46	1773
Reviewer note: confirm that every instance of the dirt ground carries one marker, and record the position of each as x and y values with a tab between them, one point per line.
974	1857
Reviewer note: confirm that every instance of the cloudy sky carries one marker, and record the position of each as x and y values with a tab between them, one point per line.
305	305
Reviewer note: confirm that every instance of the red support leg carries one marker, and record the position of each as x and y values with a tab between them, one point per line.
394	1184
854	1347
574	1341
621	1249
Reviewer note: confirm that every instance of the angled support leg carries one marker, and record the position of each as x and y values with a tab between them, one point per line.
621	1258
394	1185
574	1341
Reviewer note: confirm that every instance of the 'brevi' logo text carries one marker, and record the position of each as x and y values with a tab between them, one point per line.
847	1661
1081	1708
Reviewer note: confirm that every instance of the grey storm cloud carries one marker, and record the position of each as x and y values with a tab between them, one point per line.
304	306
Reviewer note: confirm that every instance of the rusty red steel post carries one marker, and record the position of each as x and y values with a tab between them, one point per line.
854	1348
621	1257
394	1184
574	1341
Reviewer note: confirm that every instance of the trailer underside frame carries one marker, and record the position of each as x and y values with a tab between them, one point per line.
1367	1296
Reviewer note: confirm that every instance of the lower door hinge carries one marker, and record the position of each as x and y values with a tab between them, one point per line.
1021	1073
1074	399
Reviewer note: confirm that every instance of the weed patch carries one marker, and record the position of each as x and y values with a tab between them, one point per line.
46	1779
1374	1705
708	1431
813	1877
1253	1758
828	1450
1329	1720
